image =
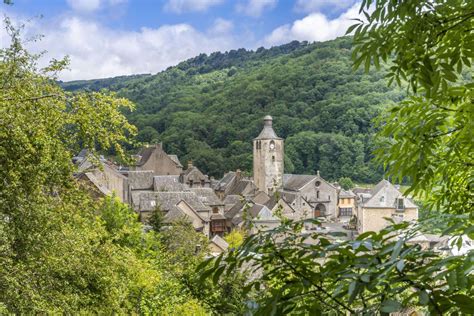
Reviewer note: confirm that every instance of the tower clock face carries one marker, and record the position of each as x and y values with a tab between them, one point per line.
272	146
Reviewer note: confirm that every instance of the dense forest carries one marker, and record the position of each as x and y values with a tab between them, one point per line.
209	108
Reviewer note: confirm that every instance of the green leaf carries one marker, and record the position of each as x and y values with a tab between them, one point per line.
400	265
423	296
464	303
390	306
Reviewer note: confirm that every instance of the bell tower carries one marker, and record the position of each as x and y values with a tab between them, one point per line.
268	156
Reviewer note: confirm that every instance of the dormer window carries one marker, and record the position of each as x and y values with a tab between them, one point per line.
382	199
400	204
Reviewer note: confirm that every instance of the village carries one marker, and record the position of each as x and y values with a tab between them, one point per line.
217	206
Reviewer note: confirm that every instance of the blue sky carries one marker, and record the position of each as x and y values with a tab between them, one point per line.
106	38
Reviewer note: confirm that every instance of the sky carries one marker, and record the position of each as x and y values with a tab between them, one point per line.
107	38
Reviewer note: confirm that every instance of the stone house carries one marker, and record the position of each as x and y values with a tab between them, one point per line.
346	205
233	183
194	178
385	201
156	159
101	176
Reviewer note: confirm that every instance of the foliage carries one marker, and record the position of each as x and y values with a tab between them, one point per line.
202	113
426	138
430	132
346	183
377	272
156	220
61	251
235	238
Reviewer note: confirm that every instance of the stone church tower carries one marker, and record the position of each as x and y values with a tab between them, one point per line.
268	155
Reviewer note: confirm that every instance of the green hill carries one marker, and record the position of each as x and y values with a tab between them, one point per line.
209	108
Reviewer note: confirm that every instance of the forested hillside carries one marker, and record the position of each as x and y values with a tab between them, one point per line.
209	108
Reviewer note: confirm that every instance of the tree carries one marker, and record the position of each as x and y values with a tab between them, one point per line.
427	138
61	251
235	238
346	183
156	220
430	133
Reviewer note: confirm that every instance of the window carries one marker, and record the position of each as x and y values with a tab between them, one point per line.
400	204
329	198
345	211
382	199
272	145
273	158
317	194
317	183
215	210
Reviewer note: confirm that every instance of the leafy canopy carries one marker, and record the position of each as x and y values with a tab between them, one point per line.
427	138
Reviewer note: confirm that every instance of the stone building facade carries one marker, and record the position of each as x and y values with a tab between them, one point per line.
156	159
268	158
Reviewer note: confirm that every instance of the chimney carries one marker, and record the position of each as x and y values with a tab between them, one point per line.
190	164
238	173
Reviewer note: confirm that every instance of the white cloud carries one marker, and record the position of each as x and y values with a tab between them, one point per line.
96	51
92	5
179	6
313	27
308	6
221	26
255	8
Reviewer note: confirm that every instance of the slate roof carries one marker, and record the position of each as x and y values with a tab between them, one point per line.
272	202
220	242
234	210
140	180
144	155
207	196
217	216
168	184
389	193
267	131
261	198
222	184
346	194
255	210
294	182
167	200
262	213
175	160
242	187
93	179
289	197
232	199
